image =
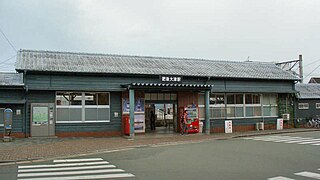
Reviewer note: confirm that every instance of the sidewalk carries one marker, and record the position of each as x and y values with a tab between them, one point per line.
34	149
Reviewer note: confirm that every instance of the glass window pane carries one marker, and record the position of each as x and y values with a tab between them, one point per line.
249	111
160	96
147	96
239	111
62	114
202	113
230	99
220	99
90	99
103	114
267	111
273	99
248	98
103	98
256	98
173	96
213	99
91	114
239	98
75	98
154	96
201	99
166	96
274	111
230	112
75	114
257	111
62	99
265	99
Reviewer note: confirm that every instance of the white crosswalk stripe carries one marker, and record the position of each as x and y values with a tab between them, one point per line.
305	174
65	169
287	140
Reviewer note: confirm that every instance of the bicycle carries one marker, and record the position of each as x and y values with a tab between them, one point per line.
313	123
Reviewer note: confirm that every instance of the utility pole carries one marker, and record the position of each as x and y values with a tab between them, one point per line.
300	68
290	64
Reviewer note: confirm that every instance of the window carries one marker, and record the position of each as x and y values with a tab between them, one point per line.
317	105
269	103
235	105
303	105
73	107
253	105
160	96
217	106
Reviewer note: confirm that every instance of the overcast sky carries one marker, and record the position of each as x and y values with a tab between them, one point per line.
264	30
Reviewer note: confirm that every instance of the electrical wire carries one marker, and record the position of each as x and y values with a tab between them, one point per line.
312	71
312	62
7	59
8	40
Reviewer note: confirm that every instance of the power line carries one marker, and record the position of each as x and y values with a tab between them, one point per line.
7	59
8	40
313	71
312	62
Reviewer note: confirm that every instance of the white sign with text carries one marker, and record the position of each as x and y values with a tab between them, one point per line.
228	126
279	124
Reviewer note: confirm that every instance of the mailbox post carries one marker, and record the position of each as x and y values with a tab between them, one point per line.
7	125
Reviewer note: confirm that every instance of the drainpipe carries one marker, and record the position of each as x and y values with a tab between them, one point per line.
25	103
131	102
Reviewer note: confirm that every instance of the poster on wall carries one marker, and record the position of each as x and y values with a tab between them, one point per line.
125	105
40	115
138	108
139	123
139	105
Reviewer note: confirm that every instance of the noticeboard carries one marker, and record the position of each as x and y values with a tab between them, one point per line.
8	119
40	115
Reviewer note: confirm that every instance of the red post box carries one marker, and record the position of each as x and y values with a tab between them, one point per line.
126	125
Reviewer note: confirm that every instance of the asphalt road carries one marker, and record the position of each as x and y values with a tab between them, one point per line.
293	156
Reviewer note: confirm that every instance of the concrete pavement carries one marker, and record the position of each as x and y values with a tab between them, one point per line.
39	149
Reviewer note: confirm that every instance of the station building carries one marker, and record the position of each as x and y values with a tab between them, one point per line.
81	94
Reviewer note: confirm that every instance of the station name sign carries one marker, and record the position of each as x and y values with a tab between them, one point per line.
172	79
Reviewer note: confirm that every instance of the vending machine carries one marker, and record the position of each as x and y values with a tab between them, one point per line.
192	118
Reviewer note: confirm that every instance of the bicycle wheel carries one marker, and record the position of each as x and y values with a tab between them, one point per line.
309	124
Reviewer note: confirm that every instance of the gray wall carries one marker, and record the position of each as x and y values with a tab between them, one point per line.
307	113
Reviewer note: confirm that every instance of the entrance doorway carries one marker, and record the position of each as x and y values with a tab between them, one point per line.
166	117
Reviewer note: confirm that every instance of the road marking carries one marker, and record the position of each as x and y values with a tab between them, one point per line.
104	176
308	174
77	160
70	173
287	140
280	178
66	168
63	165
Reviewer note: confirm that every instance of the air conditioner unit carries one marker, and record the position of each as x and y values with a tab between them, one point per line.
286	117
260	126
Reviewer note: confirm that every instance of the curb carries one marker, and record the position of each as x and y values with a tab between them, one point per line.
41	159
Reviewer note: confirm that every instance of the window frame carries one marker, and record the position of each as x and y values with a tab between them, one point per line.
83	107
317	105
303	106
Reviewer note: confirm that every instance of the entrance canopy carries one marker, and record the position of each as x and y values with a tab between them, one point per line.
169	86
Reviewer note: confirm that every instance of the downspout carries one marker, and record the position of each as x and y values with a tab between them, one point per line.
25	102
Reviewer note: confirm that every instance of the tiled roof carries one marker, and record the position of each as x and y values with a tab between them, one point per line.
11	79
314	80
308	91
53	61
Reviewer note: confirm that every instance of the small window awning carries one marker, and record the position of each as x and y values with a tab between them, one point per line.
169	86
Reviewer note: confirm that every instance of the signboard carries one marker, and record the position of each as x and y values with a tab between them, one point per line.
8	119
279	124
40	115
228	126
175	79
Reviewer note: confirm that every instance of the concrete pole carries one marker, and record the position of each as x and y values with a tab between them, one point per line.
207	99
300	68
131	101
